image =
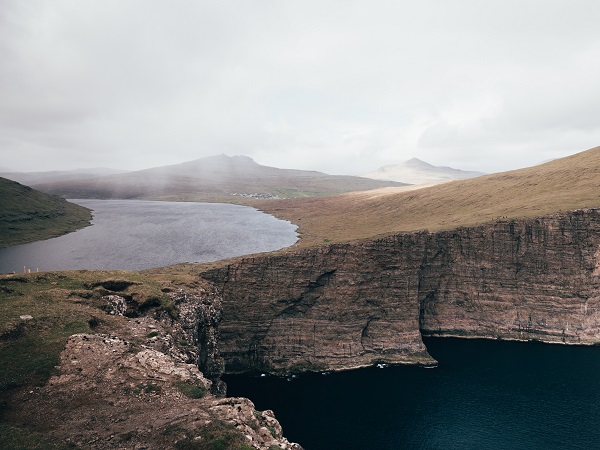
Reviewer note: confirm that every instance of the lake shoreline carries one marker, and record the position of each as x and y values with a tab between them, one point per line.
143	234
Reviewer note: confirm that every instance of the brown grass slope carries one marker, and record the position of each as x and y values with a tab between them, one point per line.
560	185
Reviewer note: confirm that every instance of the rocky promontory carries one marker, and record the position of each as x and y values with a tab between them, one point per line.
347	305
143	372
120	397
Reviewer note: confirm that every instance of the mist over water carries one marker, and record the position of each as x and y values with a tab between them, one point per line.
136	235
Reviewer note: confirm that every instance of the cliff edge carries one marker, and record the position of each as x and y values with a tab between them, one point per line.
119	361
347	305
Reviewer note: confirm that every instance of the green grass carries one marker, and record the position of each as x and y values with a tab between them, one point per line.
65	303
215	436
191	390
15	438
61	304
29	349
28	215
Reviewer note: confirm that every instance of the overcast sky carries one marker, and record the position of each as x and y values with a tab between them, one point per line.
337	86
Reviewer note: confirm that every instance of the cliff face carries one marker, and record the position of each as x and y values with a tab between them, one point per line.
199	316
333	307
349	305
529	279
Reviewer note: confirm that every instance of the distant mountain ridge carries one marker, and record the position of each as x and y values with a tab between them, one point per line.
214	178
416	171
32	178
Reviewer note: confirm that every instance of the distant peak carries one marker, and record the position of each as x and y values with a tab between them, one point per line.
243	158
222	156
416	162
225	156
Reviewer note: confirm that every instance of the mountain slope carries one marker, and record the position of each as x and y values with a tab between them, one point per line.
559	185
415	171
28	215
213	178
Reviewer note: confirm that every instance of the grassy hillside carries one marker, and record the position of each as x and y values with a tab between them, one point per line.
38	313
28	215
560	185
216	178
61	303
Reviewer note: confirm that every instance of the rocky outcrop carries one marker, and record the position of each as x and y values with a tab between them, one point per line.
348	305
192	320
145	374
199	316
113	394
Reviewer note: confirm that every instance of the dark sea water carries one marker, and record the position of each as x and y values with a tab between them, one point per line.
483	395
135	235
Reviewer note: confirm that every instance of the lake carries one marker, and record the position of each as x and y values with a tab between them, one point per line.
136	235
483	395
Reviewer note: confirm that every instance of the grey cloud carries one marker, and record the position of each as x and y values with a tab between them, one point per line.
341	86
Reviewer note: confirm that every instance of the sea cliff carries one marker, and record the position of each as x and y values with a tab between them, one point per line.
347	305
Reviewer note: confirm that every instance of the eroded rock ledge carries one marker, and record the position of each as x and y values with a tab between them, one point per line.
343	306
121	398
142	387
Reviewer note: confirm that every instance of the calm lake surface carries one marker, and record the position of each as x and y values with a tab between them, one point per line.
483	395
135	235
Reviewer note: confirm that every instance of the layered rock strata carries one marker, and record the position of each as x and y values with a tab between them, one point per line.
347	305
333	307
527	280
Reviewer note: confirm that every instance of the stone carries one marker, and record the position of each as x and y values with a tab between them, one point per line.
115	305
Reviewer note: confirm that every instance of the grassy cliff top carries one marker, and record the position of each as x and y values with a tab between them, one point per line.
28	215
560	185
